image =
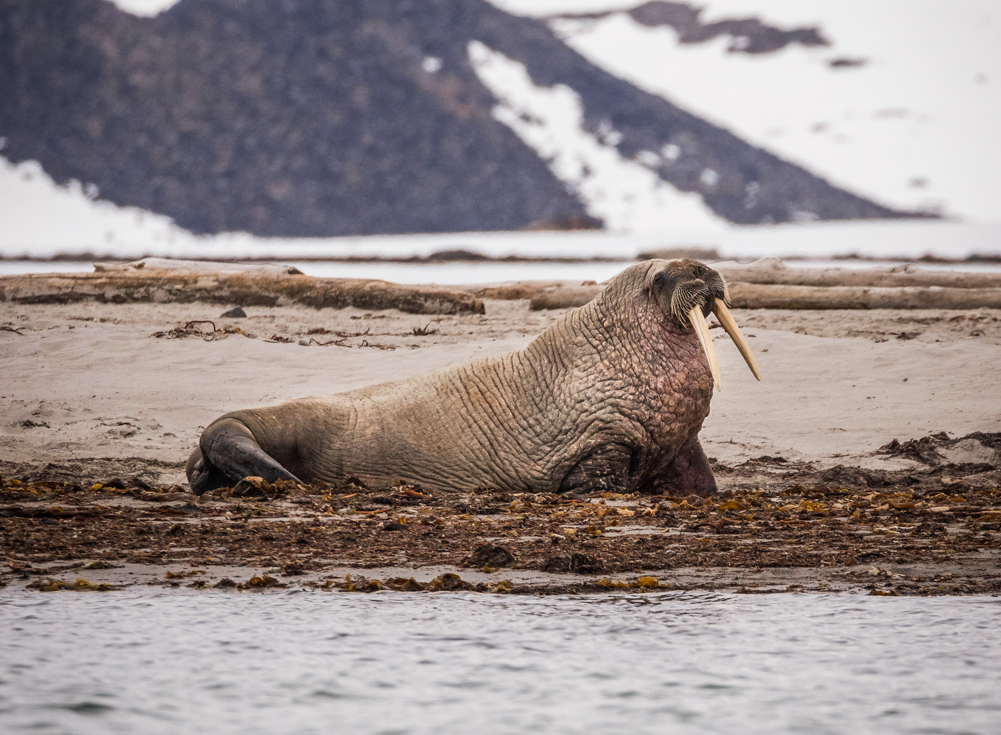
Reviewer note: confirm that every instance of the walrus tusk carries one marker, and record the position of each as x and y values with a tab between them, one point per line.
702	330
726	320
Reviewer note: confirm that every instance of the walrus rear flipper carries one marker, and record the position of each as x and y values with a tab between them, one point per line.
226	454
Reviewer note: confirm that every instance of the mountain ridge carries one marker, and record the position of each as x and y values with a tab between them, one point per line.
323	119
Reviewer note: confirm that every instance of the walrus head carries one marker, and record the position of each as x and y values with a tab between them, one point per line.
688	291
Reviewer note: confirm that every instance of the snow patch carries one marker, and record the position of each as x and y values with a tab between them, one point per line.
912	125
626	194
41	218
145	8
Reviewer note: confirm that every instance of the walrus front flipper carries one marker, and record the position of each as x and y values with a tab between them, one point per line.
606	469
229	453
688	473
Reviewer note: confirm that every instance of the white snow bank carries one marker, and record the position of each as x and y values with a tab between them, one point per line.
147	8
41	218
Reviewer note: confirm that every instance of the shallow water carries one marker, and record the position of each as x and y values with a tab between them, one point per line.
212	662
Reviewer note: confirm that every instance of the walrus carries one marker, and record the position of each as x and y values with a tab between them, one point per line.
610	398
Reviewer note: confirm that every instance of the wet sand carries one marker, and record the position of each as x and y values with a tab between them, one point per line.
93	393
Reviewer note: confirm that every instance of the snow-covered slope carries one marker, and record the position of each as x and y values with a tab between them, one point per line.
627	195
907	115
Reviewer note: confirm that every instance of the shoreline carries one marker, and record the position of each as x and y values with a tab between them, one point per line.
885	580
780	527
832	467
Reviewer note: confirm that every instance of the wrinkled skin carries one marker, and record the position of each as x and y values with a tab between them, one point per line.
611	397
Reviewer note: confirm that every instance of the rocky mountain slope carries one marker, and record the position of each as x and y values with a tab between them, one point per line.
299	118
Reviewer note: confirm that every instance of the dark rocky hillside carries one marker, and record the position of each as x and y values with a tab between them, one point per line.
311	118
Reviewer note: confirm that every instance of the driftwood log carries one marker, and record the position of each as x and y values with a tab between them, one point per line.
250	288
765	296
201	266
774	272
904	287
769	284
764	284
770	296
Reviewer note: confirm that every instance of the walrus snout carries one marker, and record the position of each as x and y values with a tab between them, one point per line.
681	285
693	290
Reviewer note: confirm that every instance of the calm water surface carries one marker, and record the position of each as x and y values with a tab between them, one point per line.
146	661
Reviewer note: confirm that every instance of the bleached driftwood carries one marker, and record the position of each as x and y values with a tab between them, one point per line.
771	296
774	272
201	266
563	297
768	296
239	288
769	284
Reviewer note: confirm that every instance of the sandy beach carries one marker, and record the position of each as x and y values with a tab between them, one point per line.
98	393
